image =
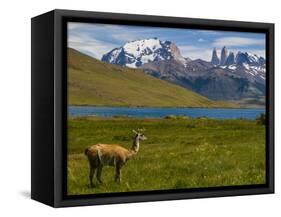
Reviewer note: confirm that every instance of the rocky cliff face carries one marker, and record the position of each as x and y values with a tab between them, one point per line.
230	59
215	59
223	56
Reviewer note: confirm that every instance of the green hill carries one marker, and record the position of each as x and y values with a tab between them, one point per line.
92	82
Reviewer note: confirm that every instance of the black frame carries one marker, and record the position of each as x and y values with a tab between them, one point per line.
49	107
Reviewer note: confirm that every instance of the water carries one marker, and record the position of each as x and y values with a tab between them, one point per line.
218	113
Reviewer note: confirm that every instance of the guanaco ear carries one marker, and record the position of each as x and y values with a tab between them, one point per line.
135	132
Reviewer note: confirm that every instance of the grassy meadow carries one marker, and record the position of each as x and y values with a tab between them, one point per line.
179	153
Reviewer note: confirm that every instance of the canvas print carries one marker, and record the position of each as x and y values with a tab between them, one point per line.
156	108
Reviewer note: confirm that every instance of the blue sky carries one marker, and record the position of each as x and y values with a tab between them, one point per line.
98	39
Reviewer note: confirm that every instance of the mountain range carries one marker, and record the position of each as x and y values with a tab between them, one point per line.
93	82
233	77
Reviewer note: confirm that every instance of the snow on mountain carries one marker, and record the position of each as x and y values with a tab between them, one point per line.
249	64
240	58
257	72
145	49
247	57
232	67
136	53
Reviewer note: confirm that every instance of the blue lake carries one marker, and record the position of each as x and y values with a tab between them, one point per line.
219	113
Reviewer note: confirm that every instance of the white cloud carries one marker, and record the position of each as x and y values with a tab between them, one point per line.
135	33
209	32
116	32
237	42
90	26
259	52
89	45
194	52
125	36
201	40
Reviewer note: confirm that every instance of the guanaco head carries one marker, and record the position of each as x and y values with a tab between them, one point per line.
139	134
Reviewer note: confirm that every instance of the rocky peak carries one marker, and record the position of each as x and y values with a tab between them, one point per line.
176	54
230	59
215	59
223	55
249	58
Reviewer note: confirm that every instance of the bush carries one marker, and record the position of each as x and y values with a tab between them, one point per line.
261	119
174	117
170	117
203	118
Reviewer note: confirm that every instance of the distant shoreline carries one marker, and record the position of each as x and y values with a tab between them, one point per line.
168	112
176	118
124	106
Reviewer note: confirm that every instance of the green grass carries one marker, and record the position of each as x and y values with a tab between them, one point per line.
92	82
179	153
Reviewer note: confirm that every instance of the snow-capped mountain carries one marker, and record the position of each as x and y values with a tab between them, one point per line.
228	77
136	53
237	76
251	65
249	58
240	58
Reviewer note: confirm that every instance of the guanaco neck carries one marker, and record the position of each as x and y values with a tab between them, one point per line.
136	145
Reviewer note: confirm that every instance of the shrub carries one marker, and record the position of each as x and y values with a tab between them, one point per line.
261	119
202	118
174	117
170	117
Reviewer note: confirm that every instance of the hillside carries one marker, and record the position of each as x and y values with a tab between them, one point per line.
92	82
